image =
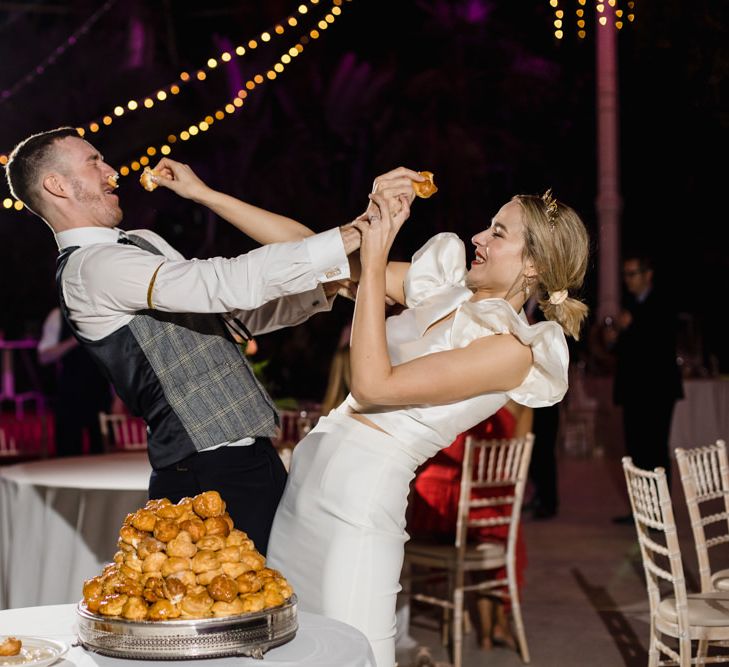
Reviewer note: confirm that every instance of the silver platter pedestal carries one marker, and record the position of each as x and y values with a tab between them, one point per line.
244	635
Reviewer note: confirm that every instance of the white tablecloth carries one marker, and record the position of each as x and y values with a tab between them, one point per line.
319	642
703	415
59	523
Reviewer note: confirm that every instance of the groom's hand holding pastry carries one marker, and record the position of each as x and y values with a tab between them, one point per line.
181	179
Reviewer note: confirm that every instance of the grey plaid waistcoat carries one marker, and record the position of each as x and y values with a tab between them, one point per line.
184	374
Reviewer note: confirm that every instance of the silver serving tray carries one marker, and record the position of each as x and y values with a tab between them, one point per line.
243	635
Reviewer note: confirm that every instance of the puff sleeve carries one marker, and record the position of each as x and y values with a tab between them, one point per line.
546	382
440	264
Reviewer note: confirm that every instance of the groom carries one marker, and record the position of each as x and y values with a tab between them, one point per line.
162	327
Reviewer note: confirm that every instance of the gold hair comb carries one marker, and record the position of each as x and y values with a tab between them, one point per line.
551	207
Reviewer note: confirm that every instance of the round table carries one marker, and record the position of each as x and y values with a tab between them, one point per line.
319	642
59	523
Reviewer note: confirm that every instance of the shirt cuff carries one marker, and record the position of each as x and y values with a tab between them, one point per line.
328	258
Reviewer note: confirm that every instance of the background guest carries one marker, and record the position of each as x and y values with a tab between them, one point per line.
647	379
340	374
543	476
81	389
543	466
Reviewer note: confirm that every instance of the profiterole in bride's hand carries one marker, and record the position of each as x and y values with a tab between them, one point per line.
184	561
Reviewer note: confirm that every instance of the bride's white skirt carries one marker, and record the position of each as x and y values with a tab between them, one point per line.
339	531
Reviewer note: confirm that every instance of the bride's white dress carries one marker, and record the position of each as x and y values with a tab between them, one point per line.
339	531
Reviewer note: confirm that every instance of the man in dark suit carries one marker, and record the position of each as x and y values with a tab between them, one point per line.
647	380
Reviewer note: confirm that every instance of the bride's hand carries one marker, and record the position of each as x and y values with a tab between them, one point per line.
381	227
392	184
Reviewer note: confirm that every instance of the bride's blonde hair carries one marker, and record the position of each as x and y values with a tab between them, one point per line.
556	240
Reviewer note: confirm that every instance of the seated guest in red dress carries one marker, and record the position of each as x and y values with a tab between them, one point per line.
433	510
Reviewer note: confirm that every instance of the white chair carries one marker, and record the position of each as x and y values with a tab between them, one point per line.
499	468
705	480
122	432
701	617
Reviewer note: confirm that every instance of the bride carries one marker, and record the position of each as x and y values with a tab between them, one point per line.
457	353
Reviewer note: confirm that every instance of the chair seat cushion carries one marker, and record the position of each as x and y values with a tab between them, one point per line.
482	555
710	609
720	580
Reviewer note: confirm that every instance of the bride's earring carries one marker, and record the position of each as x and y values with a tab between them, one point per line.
525	287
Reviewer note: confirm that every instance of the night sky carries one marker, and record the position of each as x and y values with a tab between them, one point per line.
478	91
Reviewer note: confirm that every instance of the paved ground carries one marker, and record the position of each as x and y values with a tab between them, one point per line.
584	601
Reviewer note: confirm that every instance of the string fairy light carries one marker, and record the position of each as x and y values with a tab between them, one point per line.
619	13
200	74
237	102
72	40
227	110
